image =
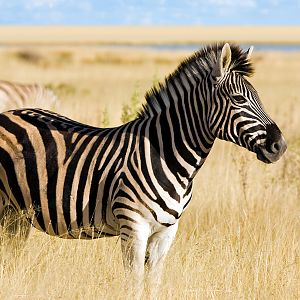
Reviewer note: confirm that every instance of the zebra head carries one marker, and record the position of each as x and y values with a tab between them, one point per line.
237	114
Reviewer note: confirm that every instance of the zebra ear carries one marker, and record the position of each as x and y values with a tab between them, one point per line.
223	62
249	52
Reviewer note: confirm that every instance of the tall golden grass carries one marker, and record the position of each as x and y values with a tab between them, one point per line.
240	236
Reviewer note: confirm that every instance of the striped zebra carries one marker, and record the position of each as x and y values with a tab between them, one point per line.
15	95
81	182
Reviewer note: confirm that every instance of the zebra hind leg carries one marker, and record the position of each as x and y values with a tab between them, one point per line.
15	227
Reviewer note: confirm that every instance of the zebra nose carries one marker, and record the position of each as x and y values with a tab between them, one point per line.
278	146
274	147
274	139
275	142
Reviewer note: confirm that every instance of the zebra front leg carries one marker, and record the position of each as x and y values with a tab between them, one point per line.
134	244
158	246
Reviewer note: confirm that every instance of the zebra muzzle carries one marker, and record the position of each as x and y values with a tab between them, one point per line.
272	150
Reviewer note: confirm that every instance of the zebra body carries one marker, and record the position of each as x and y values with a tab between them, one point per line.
78	181
96	167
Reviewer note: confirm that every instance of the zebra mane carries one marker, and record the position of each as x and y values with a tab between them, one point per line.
197	65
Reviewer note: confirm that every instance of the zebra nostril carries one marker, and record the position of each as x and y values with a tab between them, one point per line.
276	146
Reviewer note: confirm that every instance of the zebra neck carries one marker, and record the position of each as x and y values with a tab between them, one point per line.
172	141
178	136
179	129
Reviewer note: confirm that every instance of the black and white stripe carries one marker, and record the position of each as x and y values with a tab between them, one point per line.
78	181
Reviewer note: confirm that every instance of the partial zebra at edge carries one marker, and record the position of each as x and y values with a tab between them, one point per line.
18	95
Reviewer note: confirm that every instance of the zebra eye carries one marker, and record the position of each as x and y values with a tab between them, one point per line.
239	98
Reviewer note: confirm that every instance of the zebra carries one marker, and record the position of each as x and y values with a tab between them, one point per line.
17	95
134	181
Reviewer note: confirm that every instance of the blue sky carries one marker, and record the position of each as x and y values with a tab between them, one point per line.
152	12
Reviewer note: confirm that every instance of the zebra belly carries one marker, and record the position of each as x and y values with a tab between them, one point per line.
81	232
61	217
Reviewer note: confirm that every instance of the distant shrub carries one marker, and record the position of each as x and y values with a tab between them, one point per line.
62	89
112	58
29	56
164	60
130	111
63	57
104	119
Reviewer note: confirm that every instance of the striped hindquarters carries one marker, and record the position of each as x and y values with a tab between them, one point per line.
14	95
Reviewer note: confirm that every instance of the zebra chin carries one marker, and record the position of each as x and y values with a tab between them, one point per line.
271	154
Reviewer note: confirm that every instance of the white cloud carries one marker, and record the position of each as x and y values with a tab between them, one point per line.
232	8
264	11
33	4
274	2
86	6
234	3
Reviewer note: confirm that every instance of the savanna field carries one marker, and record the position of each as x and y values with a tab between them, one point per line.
239	237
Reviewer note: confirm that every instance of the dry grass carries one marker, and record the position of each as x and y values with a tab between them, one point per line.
95	35
240	236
